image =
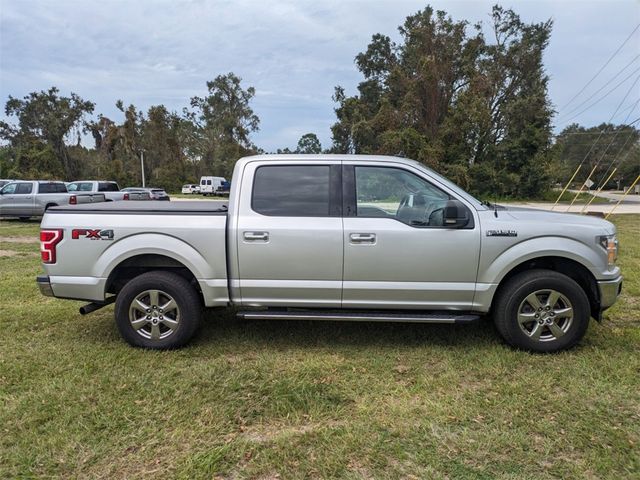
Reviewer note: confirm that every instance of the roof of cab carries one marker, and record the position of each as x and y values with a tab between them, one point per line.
327	156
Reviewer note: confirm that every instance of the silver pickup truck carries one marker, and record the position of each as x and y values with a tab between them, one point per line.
25	199
334	237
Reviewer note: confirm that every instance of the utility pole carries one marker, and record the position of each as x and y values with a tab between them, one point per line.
142	166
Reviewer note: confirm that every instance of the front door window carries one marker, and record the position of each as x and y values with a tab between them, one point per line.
384	192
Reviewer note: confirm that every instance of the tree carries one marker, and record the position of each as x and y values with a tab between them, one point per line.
309	143
47	119
475	110
221	124
602	148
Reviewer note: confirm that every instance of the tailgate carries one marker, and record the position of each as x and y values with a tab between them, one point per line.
90	198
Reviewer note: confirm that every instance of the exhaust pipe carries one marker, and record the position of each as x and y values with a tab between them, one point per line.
92	307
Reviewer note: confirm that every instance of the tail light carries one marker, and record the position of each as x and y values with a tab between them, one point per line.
48	241
125	196
73	200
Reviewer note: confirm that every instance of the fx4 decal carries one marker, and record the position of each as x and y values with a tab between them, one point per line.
92	234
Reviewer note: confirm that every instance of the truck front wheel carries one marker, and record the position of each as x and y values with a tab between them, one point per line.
542	311
158	310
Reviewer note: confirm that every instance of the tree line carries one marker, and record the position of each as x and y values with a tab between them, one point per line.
468	100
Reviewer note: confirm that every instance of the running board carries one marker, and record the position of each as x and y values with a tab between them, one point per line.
359	316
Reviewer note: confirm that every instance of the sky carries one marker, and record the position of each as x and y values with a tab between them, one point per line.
293	52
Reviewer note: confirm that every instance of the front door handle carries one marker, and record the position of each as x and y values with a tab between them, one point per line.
256	236
362	237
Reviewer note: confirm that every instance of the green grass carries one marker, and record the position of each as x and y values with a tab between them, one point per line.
310	400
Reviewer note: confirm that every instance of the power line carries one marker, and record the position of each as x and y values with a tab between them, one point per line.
589	152
607	83
563	119
602	68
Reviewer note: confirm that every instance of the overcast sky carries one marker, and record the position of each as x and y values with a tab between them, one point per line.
292	52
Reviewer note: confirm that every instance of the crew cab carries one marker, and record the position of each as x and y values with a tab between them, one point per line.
25	199
334	237
111	190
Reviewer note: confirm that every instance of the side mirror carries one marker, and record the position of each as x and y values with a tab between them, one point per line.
456	215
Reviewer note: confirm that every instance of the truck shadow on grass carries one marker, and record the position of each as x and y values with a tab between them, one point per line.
222	328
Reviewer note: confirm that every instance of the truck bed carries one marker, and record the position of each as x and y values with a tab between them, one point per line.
100	239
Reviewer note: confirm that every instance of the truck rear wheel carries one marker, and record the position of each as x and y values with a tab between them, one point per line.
542	311
158	310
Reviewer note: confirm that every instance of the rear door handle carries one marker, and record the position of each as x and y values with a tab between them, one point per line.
362	237
256	236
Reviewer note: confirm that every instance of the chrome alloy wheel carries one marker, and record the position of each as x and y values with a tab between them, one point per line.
545	315
154	315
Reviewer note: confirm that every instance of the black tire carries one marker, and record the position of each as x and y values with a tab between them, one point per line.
189	309
512	304
49	205
24	219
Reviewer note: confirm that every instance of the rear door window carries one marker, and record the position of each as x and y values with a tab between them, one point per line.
24	188
292	191
52	188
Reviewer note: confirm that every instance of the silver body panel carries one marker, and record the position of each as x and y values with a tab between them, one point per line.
256	260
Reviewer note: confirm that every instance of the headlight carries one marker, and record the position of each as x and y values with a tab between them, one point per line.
610	244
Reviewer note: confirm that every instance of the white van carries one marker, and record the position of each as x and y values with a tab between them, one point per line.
209	185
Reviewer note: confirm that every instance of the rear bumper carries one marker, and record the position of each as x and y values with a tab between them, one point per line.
73	288
44	285
609	291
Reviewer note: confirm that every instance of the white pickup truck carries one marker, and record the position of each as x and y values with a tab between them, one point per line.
334	237
31	198
111	190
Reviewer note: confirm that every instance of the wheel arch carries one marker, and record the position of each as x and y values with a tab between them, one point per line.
567	266
134	266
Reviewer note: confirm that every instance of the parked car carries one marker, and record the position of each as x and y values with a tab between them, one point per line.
209	185
307	237
26	199
4	181
224	189
191	188
111	190
154	193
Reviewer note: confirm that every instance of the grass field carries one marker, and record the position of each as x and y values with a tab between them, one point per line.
309	400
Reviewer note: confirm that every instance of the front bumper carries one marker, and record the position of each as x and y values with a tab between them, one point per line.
609	291
44	285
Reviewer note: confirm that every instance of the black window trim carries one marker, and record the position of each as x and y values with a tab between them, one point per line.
335	192
350	206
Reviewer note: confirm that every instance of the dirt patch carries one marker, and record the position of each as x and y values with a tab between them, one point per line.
7	253
19	239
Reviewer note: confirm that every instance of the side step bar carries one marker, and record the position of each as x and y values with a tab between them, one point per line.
359	316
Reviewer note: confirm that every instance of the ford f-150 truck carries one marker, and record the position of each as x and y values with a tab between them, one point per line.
26	199
111	190
334	237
